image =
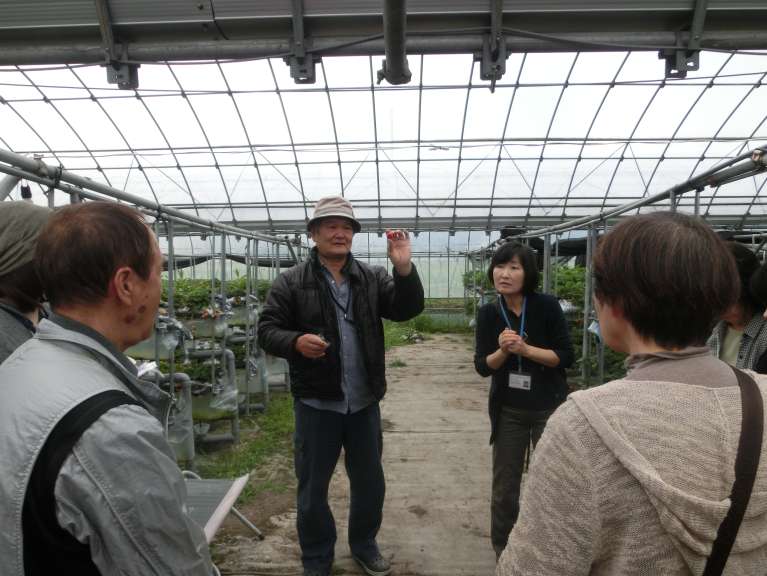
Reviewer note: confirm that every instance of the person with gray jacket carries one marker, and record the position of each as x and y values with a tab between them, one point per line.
90	484
21	291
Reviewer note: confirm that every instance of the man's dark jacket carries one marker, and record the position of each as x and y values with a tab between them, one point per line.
300	302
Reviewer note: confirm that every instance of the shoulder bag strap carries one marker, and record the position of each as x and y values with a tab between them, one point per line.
746	463
49	548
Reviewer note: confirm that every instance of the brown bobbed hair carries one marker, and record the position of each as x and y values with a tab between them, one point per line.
526	257
672	274
83	245
747	264
23	287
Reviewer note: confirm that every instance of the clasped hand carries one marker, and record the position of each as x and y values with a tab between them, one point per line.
512	343
311	346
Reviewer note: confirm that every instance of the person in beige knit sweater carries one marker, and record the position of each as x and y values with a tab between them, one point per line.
633	477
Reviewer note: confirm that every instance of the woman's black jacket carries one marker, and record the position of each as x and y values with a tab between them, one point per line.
546	327
300	302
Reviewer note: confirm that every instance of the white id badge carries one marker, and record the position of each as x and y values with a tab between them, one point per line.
520	380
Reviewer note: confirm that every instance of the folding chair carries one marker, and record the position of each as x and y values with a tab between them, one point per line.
209	502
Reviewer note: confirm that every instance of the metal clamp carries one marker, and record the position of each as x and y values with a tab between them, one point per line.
302	68
492	69
493	56
121	73
686	58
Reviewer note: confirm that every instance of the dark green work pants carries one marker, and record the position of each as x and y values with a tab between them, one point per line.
516	428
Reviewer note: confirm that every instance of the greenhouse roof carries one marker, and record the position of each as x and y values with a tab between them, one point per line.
563	135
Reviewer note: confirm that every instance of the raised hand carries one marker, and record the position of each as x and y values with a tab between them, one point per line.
398	250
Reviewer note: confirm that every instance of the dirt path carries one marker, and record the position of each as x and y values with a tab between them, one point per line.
438	472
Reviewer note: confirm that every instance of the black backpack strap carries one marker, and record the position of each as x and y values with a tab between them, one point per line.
48	548
746	463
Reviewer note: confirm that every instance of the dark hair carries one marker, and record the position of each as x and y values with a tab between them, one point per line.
526	257
747	264
758	285
81	247
671	273
23	287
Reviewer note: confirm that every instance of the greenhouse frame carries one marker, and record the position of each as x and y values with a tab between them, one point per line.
468	123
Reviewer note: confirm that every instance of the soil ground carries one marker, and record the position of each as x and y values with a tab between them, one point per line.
437	463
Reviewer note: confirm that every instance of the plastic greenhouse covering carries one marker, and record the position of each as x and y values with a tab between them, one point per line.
564	135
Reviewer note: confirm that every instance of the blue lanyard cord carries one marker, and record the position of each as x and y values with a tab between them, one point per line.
521	325
24	321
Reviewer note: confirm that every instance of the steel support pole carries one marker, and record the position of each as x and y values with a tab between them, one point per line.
236	419
171	308
32	168
213	305
741	166
394	67
600	342
587	305
547	264
556	267
474	280
247	328
429	291
459	43
157	318
697	203
448	270
7	185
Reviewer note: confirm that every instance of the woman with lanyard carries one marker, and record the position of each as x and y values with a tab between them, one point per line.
523	342
21	291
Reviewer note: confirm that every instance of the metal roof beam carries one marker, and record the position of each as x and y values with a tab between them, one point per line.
144	52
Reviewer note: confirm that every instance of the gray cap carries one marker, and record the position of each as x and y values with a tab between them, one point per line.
20	225
333	206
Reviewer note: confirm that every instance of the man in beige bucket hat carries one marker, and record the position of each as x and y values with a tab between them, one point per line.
324	315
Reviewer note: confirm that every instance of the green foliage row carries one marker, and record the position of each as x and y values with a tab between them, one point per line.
194	366
571	286
484	282
195	293
423	324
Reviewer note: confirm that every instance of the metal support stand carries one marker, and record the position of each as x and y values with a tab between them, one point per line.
247	328
556	267
547	264
585	372
171	309
236	419
157	316
474	280
697	202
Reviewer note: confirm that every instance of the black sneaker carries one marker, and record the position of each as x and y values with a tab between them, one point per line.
378	566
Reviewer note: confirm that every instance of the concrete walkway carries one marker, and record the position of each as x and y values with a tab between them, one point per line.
437	463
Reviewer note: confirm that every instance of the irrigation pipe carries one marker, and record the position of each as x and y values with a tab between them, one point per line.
744	165
38	171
